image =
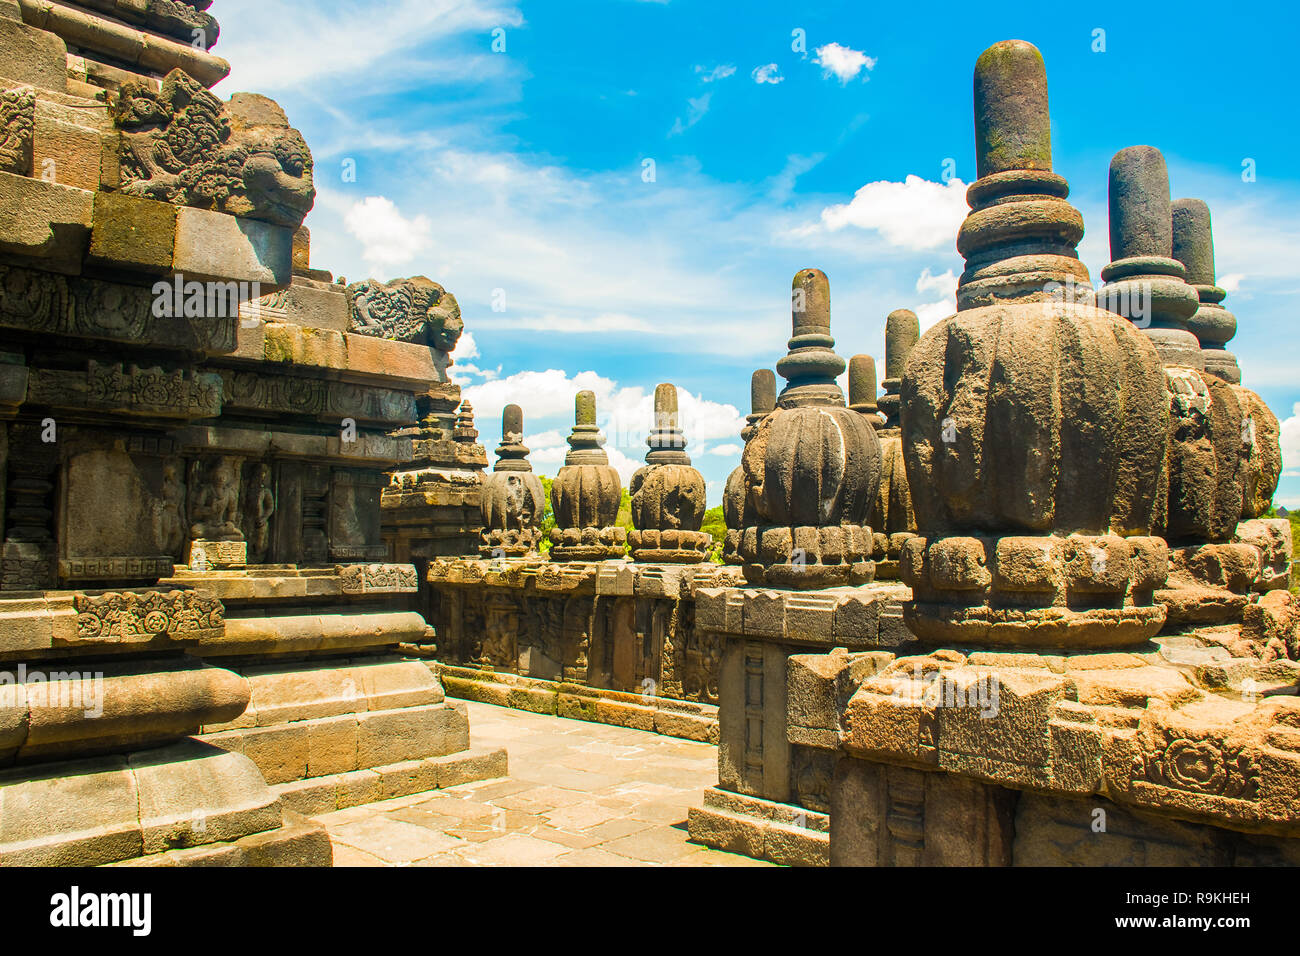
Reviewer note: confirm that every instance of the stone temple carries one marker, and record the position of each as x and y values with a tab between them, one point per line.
258	570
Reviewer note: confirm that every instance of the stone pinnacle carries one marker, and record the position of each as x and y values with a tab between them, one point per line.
666	441
762	400
862	385
1212	324
585	440
512	454
902	330
1020	239
1144	283
811	365
1012	126
1140	215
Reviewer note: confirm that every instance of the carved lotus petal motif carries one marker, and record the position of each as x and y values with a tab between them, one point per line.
815	466
1030	419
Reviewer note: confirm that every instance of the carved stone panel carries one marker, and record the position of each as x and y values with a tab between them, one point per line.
105	492
354	533
17	118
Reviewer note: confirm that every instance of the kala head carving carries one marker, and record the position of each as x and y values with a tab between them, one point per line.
184	146
415	310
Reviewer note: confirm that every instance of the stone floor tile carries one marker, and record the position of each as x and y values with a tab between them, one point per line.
514	849
393	840
581	816
578	794
655	845
345	855
621	827
594	857
576	841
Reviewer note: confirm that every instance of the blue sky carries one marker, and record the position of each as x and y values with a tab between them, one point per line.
622	194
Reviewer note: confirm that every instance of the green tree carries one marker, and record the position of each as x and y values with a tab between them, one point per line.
716	525
548	517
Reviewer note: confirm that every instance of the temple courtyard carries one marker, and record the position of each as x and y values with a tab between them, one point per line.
578	794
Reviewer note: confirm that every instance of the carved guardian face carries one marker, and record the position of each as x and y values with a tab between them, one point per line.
445	324
278	176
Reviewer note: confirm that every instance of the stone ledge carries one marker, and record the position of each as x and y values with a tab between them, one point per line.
108	809
325	632
344	743
684	719
297	842
868	617
761	829
339	791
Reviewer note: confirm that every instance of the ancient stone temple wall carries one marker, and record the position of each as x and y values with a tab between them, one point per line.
586	631
196	430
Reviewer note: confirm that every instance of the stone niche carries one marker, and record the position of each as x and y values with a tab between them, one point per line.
354	516
103	538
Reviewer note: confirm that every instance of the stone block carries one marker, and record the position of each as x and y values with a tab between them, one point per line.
406	777
65	153
392	684
132	233
310	797
298	842
44	221
25	626
686	726
211	246
33	56
280	752
411	733
193	793
332	745
477	763
286	693
77	813
391	360
354	789
621	714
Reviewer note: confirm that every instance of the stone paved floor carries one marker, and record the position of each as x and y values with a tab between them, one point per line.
578	794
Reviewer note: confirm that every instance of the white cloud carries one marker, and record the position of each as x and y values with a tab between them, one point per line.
1231	282
388	239
843	62
916	214
945	286
770	73
542	395
725	451
1291	442
282	44
466	347
695	110
624	413
720	72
